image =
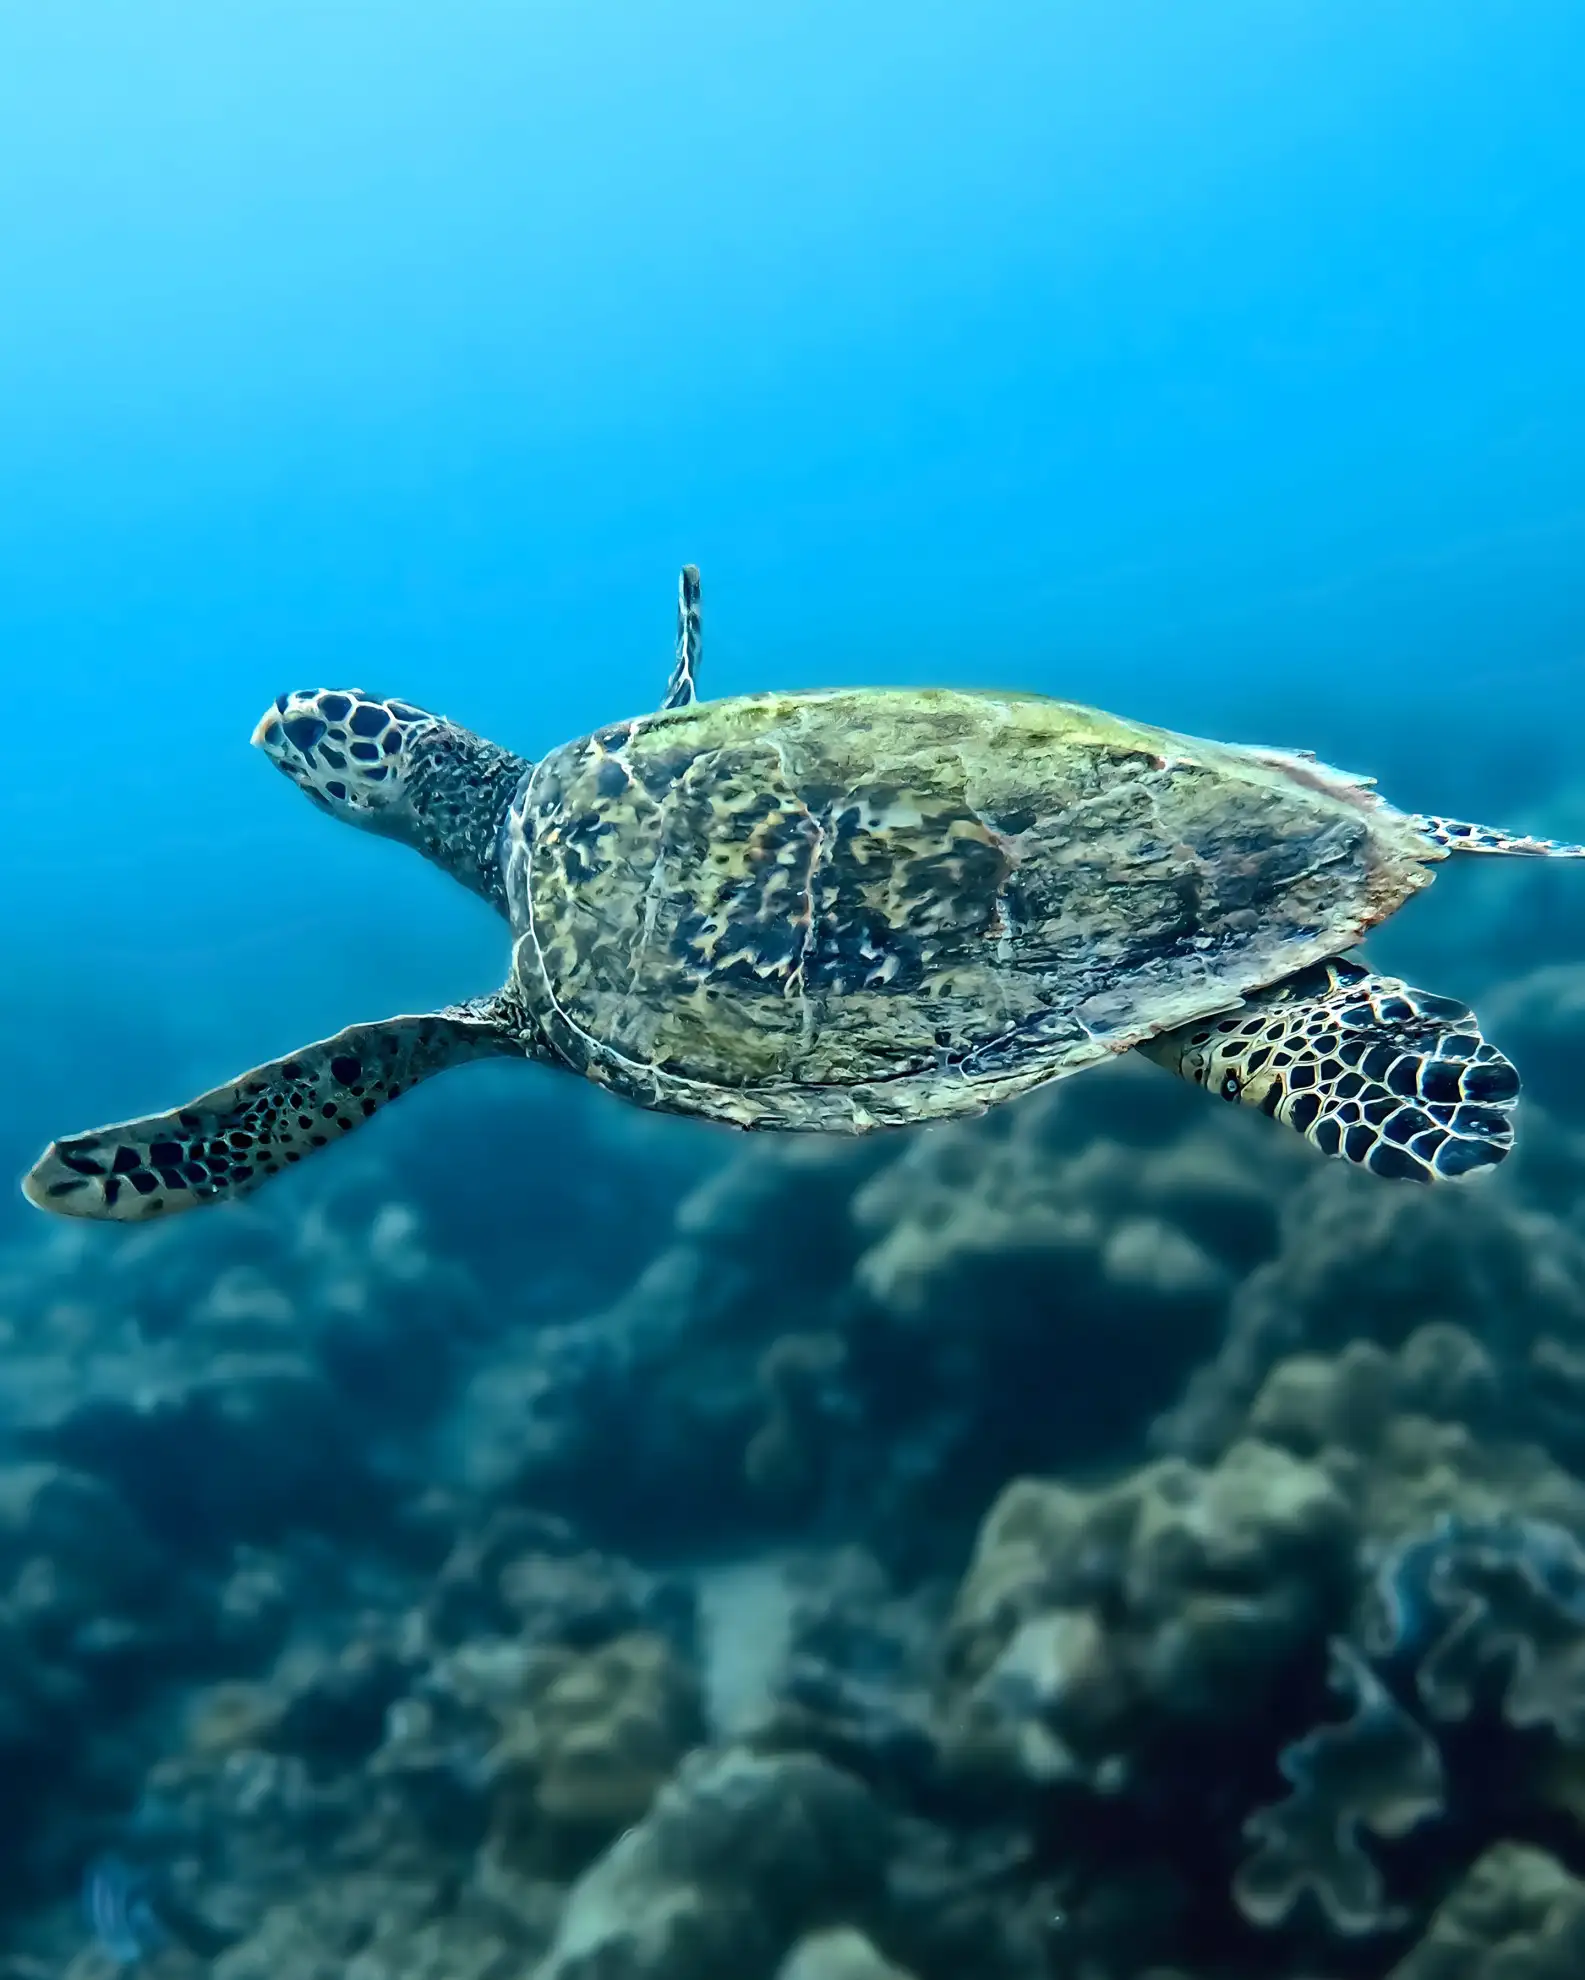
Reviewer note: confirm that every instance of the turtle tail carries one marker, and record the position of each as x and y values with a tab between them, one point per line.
1454	835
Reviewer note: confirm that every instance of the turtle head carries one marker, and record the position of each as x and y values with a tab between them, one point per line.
388	767
352	753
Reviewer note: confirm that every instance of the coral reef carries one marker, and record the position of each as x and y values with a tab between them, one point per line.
840	1955
1376	1775
740	1856
1542	1015
669	1373
594	1737
1094	1542
1105	1211
1413	1434
1091	1626
1478	1629
1518	1915
1353	1265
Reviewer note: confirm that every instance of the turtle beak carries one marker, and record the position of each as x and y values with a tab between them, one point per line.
269	724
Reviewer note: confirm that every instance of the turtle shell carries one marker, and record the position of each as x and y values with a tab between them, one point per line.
845	909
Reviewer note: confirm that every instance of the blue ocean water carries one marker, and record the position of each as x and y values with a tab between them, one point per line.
1222	366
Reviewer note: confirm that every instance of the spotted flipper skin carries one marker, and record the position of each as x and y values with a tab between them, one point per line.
684	682
226	1142
1455	836
1364	1067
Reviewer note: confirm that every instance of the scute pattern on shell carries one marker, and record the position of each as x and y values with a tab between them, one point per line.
1019	887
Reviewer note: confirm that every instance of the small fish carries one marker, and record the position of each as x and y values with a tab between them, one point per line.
120	1913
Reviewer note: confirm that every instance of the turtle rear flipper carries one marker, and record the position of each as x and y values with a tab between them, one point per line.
1455	835
1390	1078
226	1142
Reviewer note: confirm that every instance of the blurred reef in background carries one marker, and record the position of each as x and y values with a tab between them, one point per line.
1099	1541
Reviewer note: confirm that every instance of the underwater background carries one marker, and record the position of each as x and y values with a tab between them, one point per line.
542	1541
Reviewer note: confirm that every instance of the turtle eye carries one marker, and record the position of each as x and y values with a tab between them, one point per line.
1231	1087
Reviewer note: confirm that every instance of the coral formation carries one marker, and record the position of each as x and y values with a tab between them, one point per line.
840	1955
1376	1775
1411	1434
593	1738
1517	1915
1104	1211
1353	1265
739	1857
1093	1625
1469	1620
1089	1543
1494	1613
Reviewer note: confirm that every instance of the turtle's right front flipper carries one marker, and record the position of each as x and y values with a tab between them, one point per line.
227	1142
1393	1079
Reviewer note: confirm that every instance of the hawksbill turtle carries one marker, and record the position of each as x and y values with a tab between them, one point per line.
862	908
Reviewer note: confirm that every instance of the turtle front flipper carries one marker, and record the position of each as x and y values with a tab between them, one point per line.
1399	1082
684	682
227	1142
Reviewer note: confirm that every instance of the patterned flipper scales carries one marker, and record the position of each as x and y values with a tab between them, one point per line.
227	1142
1456	836
1366	1068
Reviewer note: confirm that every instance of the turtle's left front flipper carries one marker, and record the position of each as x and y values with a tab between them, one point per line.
227	1142
1399	1082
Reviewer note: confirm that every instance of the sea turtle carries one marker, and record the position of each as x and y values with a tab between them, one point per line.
862	908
